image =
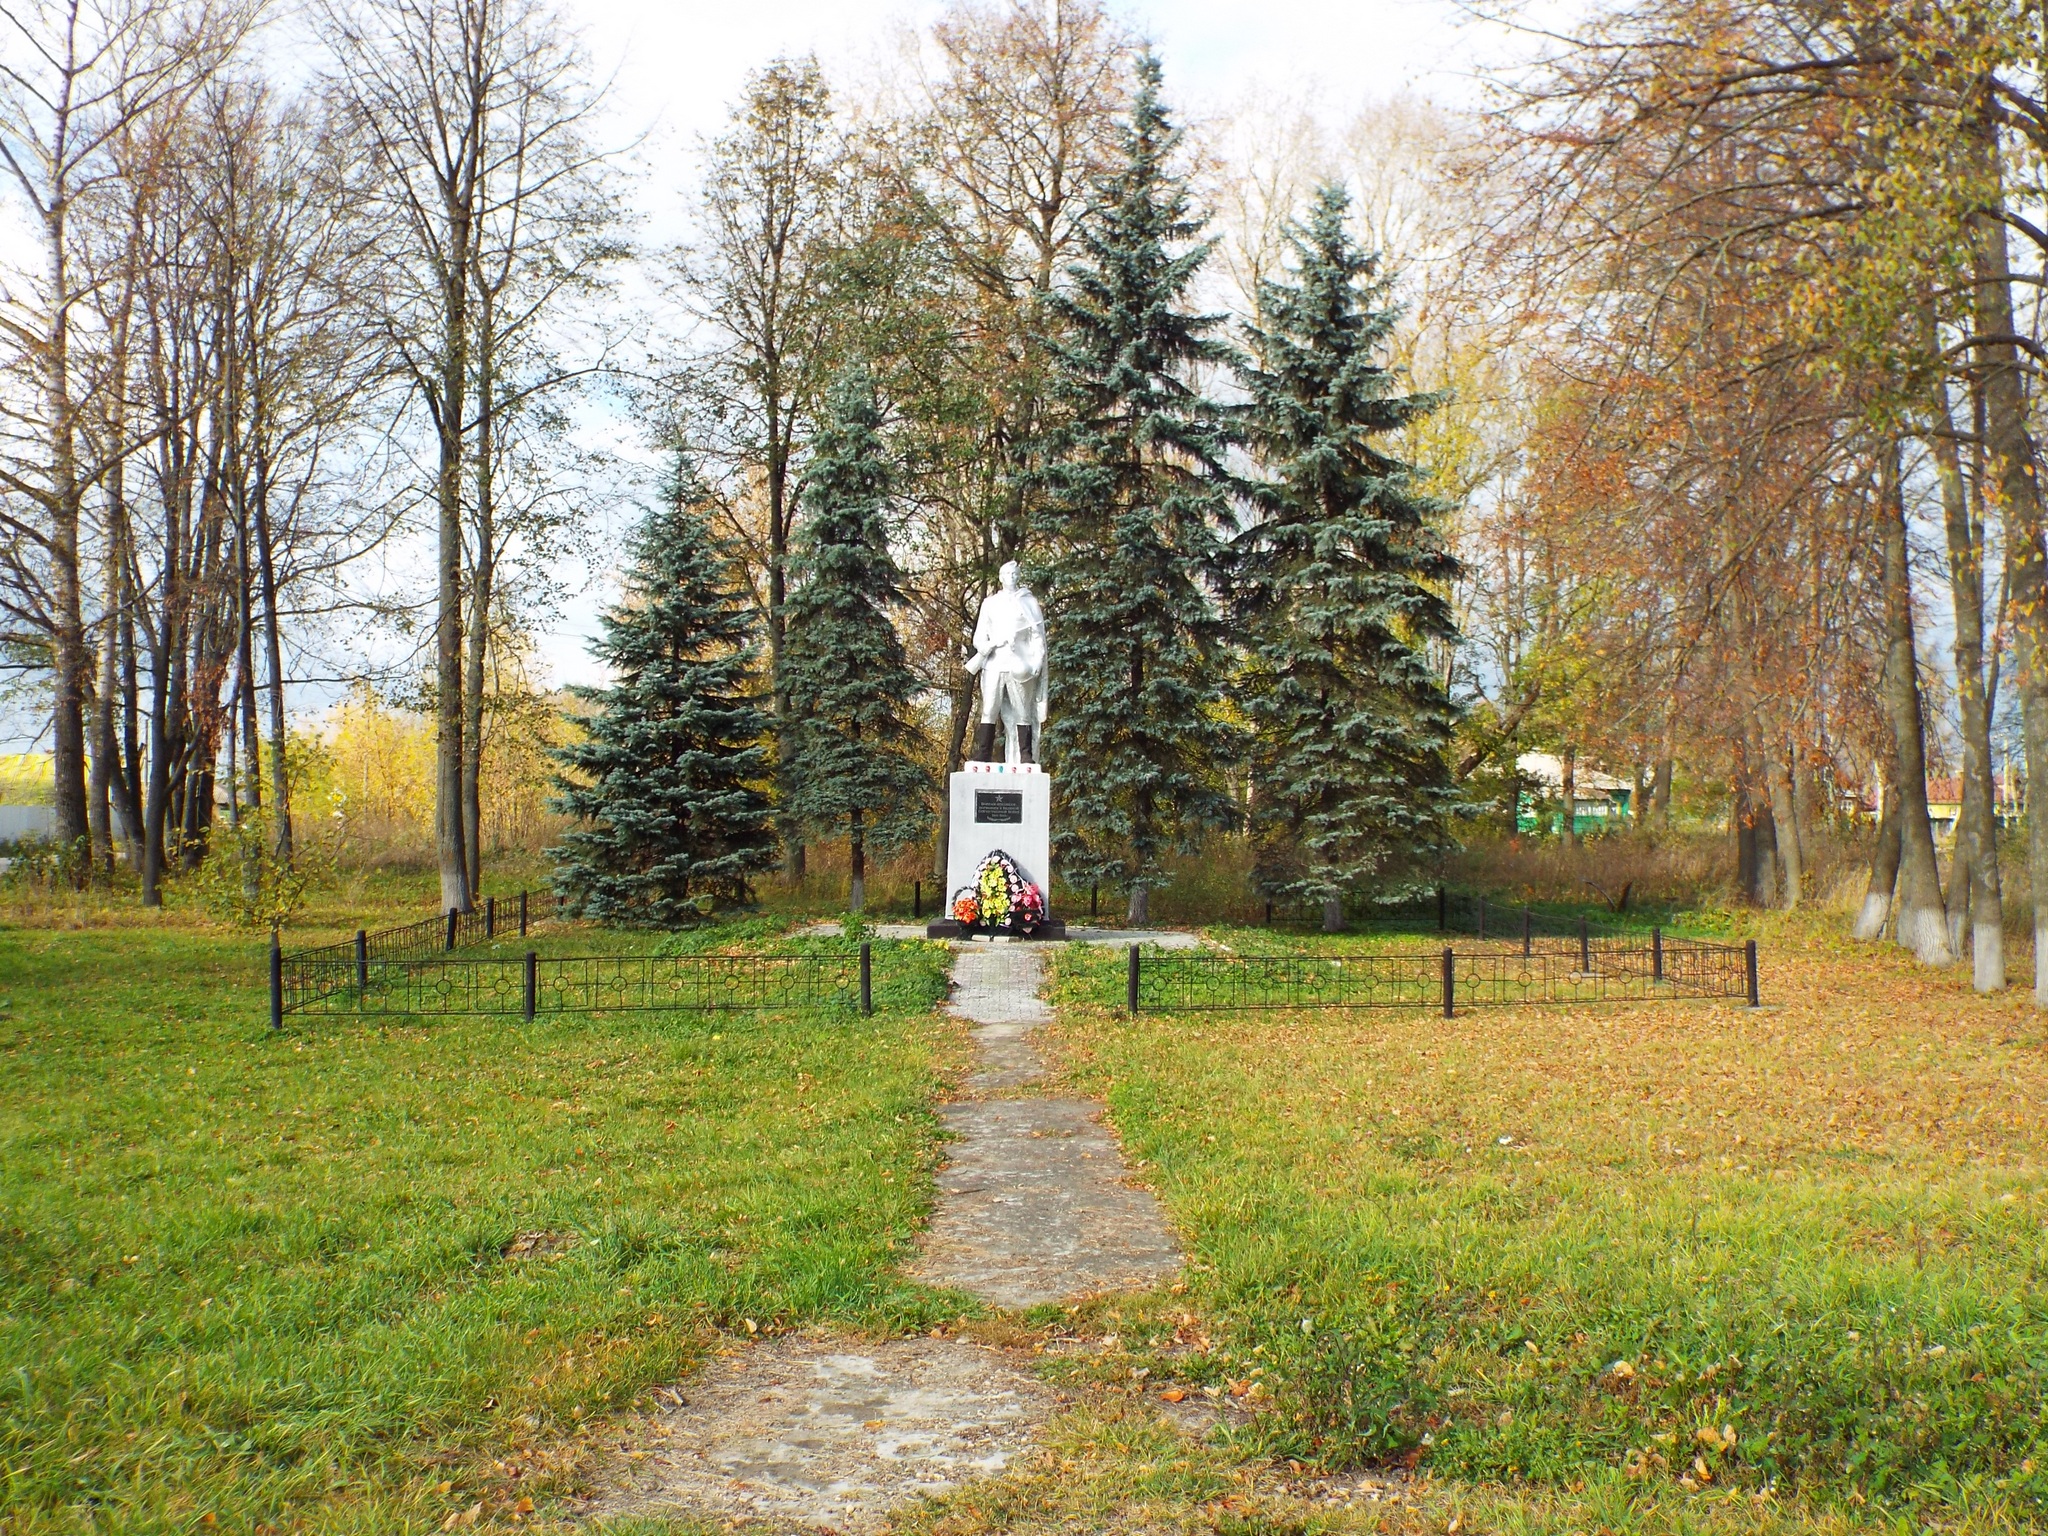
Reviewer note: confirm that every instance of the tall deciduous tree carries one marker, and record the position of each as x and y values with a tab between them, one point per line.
668	779
771	212
1135	511
470	111
546	237
852	694
1341	583
74	77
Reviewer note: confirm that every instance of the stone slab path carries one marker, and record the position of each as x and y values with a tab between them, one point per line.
1036	1204
830	1433
995	987
1036	1207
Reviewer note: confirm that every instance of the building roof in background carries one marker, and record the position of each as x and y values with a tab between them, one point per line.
1950	791
1547	769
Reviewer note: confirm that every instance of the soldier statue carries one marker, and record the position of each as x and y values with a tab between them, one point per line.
1009	653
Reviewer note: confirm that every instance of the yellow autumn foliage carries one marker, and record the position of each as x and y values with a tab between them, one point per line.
369	774
25	778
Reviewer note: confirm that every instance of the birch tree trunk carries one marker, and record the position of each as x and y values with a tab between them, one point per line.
2010	458
1976	904
1884	871
482	573
273	658
857	865
450	410
1568	787
1921	920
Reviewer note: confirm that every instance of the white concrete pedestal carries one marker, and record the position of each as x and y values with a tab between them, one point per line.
1005	806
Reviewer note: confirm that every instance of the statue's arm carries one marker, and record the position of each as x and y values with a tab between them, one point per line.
983	642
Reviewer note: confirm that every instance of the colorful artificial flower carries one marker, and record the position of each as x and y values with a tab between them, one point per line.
1004	898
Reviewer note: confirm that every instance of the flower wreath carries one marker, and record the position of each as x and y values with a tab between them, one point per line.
1002	897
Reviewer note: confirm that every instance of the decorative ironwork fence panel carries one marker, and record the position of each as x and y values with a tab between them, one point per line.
1172	983
698	983
1610	971
573	984
305	977
1708	970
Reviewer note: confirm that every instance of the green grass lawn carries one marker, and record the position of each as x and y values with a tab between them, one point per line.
1642	1269
1620	1267
355	1275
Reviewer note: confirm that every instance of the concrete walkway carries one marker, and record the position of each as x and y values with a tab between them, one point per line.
833	1433
827	1432
995	987
1036	1204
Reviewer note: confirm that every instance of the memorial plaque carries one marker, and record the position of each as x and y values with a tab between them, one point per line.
999	805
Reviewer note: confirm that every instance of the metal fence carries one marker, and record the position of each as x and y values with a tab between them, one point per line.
1613	970
301	978
389	974
527	986
1469	914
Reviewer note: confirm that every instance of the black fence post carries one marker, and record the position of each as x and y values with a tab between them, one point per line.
1443	910
1749	970
1585	950
362	961
917	898
1482	917
1656	954
531	999
867	977
1269	914
522	914
452	919
1131	983
1094	902
490	917
1450	984
1525	933
276	982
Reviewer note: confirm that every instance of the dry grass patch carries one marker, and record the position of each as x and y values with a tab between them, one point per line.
1558	1247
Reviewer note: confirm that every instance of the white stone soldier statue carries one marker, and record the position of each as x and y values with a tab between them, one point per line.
1009	653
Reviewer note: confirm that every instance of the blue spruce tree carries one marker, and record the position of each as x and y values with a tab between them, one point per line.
1135	507
853	697
668	784
1339	583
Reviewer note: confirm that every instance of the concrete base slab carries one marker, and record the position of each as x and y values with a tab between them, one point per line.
822	1433
1052	931
1034	1207
1164	938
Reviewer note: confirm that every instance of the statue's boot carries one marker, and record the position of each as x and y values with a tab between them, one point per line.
1025	744
984	744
